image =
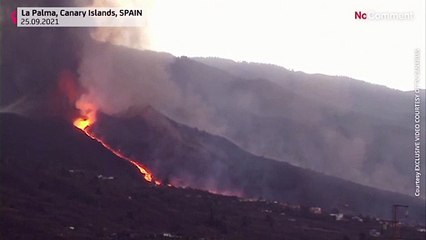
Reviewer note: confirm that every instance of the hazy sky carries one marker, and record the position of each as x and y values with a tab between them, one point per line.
307	35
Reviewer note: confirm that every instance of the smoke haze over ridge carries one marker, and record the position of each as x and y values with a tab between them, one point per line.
343	136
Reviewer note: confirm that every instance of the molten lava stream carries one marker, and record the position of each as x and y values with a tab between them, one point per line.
84	124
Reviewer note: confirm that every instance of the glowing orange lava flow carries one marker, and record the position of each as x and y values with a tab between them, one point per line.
83	124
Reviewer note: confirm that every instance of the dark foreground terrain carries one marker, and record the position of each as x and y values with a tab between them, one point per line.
56	183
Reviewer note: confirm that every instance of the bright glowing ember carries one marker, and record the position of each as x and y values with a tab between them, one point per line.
84	125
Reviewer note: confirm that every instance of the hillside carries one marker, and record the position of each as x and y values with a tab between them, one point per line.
335	125
185	156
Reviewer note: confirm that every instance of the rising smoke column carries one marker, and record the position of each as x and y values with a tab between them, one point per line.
33	59
39	70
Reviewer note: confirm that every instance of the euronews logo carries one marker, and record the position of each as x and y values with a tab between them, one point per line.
384	16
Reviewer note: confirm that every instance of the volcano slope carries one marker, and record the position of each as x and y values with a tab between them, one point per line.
335	125
185	156
51	188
